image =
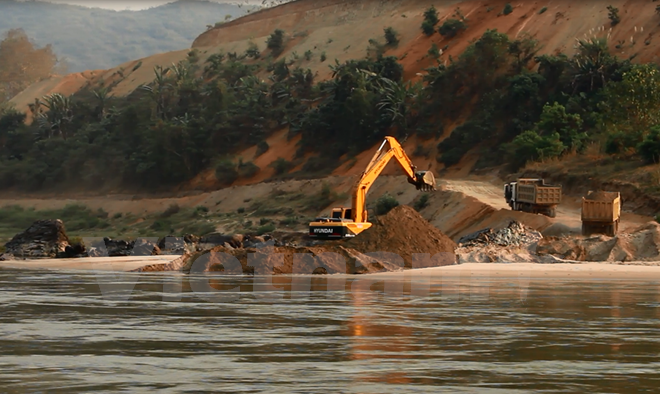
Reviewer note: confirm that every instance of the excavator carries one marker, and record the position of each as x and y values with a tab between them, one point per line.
348	222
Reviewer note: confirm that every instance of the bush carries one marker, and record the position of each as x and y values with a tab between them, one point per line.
171	210
240	210
323	57
431	16
308	55
428	28
385	203
649	149
542	10
225	172
508	8
613	14
276	42
280	166
452	27
269	228
391	36
422	202
199	229
248	170
262	147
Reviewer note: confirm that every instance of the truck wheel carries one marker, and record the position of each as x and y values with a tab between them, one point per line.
552	212
610	230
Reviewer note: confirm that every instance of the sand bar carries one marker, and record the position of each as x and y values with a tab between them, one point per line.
127	263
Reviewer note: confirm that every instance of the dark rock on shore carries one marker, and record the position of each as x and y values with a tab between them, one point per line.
43	239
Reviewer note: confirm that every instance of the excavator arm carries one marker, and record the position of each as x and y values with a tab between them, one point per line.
390	148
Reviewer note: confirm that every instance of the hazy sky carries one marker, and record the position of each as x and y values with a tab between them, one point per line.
136	4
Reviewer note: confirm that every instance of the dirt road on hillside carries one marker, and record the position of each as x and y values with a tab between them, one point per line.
568	212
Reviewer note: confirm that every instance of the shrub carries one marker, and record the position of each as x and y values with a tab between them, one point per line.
264	221
613	14
252	51
248	170
262	147
225	172
508	8
542	10
649	149
323	57
199	229
434	51
422	202
391	36
322	199
268	228
280	166
240	210
452	27
289	221
431	16
308	55
385	203
276	42
428	28
171	210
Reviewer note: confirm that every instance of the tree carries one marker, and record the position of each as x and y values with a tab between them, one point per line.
632	105
430	20
613	14
649	149
508	8
22	63
452	27
391	36
555	121
276	42
531	146
431	15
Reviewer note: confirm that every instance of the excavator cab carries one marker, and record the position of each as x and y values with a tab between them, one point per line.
424	180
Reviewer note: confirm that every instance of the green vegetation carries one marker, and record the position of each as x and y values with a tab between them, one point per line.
95	38
196	116
613	14
542	10
508	8
391	36
385	203
276	42
422	202
452	27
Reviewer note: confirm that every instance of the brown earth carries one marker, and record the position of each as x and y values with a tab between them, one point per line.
342	29
404	232
389	245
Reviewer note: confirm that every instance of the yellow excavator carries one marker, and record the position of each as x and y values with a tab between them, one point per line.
348	222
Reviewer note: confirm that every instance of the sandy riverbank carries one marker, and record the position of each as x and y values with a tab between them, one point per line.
122	264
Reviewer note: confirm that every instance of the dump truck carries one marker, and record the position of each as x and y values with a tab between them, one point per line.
601	212
347	222
533	195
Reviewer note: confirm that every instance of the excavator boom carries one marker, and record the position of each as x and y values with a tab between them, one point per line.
347	222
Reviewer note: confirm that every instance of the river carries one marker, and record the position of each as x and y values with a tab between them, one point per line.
75	332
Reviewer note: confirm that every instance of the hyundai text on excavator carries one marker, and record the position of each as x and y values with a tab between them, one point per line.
348	222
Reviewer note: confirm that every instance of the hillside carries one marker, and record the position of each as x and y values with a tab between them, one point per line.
481	102
95	38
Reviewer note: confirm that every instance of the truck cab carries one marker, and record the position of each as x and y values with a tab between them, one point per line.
510	193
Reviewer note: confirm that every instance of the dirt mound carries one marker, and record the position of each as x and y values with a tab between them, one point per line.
600	195
298	260
641	245
404	232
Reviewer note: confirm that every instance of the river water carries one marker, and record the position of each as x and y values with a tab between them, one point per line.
75	332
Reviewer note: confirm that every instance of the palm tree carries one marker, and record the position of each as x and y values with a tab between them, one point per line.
58	116
102	95
158	91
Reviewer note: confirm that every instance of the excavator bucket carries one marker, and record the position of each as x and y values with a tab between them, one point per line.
424	180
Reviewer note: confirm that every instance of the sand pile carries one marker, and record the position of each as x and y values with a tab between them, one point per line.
404	231
388	245
642	244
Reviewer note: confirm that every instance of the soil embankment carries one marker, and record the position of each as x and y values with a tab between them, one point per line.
391	244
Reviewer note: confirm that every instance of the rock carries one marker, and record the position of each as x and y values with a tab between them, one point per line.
43	239
117	248
217	239
73	251
143	247
515	234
